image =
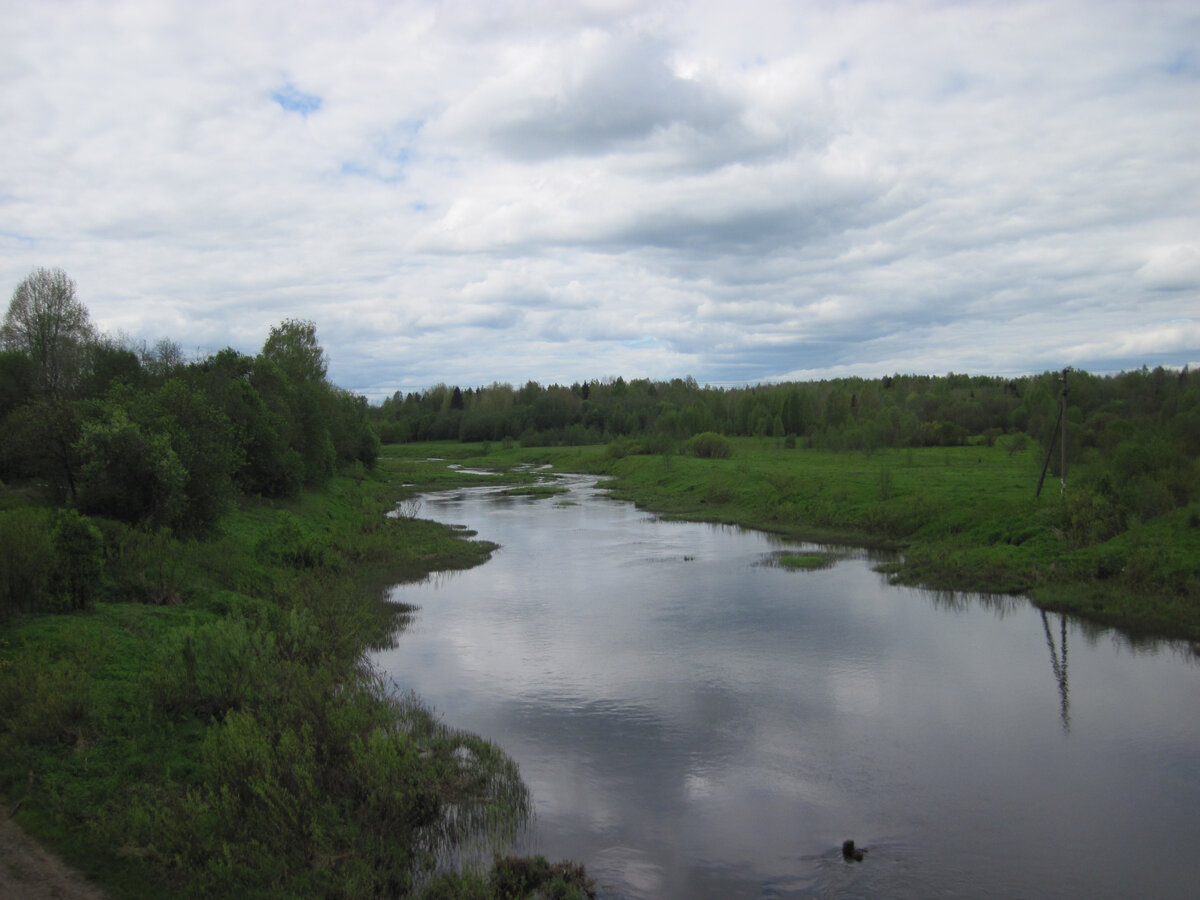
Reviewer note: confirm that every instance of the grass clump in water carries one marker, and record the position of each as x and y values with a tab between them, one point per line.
805	561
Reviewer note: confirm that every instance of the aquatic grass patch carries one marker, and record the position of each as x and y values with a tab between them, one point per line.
805	561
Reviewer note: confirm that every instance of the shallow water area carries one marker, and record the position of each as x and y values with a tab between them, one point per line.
695	720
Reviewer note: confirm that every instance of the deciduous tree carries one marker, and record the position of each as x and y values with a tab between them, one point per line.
47	321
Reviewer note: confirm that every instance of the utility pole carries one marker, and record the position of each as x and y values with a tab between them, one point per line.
1062	414
1061	423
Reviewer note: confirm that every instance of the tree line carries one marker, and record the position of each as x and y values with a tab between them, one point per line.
1133	438
132	432
118	429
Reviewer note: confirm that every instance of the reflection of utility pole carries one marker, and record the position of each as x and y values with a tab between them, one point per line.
1058	662
1061	423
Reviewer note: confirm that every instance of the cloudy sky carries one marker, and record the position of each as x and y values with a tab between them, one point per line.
466	192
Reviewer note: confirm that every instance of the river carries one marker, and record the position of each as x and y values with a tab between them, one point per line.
696	721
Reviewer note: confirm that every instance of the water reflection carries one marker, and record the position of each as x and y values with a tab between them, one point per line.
1058	663
693	723
955	601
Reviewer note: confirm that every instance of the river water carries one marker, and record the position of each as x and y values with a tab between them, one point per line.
696	721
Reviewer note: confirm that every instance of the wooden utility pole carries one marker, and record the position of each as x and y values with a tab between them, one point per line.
1062	414
1061	423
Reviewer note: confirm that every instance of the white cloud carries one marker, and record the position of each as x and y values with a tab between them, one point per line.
764	191
1174	268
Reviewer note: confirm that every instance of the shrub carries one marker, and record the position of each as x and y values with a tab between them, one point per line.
658	444
710	445
27	561
1147	497
79	558
289	544
45	701
619	448
128	474
1093	517
141	565
212	668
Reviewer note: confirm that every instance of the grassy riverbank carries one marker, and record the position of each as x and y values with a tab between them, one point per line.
965	517
207	727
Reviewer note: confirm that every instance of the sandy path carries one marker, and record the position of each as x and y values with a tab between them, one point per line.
28	872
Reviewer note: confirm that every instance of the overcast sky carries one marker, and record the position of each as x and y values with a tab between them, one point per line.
466	192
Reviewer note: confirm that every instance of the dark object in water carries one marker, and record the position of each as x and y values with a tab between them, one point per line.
850	853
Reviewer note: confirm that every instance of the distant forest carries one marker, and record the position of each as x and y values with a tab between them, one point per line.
1134	437
137	433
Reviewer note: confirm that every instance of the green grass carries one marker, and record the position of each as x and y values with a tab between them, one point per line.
804	561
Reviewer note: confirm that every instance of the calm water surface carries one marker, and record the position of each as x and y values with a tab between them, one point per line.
696	722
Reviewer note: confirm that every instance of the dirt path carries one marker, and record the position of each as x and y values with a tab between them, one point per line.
28	872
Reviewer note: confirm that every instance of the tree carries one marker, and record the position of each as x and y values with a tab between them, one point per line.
292	345
48	322
39	440
268	465
110	363
203	440
128	474
16	380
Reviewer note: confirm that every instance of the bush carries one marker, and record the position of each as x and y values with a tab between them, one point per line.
710	445
48	562
45	701
142	566
79	553
1093	517
1147	497
211	669
27	561
128	474
289	544
658	444
619	448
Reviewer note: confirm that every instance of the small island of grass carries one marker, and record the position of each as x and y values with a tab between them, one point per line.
805	560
